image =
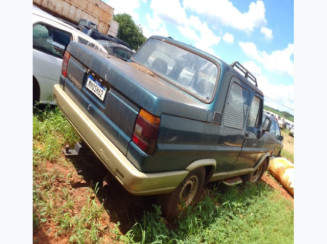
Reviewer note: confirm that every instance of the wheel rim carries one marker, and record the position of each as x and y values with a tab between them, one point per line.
256	174
189	190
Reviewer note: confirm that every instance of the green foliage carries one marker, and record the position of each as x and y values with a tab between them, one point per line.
152	229
51	131
253	214
128	31
288	155
85	227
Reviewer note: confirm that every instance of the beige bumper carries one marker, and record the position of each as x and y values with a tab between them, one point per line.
132	179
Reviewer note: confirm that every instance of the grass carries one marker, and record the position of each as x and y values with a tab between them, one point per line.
288	148
253	214
246	214
50	132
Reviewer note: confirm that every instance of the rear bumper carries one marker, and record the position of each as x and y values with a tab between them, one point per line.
133	180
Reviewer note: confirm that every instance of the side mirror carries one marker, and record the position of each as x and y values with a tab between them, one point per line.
281	138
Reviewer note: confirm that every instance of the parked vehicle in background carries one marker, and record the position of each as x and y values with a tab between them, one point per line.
273	135
168	121
291	133
97	11
50	39
88	24
281	122
117	50
99	36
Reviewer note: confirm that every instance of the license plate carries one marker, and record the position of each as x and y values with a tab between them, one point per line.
96	88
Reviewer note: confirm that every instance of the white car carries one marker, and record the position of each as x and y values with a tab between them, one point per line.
50	39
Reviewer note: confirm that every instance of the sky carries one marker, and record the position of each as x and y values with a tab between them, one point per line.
258	34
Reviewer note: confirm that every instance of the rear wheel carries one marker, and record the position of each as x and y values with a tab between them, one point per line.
257	174
185	195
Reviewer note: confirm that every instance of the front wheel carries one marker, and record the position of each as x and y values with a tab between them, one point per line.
186	194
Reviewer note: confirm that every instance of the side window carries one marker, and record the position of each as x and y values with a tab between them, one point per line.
254	119
129	55
277	133
236	107
266	123
273	128
50	40
82	40
120	53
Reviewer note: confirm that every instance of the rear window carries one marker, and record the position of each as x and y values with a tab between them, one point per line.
184	69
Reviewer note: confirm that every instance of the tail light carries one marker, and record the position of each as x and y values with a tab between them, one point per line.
146	130
65	64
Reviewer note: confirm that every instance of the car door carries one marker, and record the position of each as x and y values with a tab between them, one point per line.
275	132
231	135
252	149
49	44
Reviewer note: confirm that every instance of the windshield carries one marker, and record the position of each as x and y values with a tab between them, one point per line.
182	68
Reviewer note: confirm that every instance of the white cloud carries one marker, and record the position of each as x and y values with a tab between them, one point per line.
224	12
156	26
125	6
200	33
267	33
280	96
278	61
191	27
253	68
277	96
169	10
229	38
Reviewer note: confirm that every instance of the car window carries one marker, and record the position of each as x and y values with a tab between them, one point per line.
236	107
254	115
277	131
50	40
184	69
266	122
82	40
122	53
273	128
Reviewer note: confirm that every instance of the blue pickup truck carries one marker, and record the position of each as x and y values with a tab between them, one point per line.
168	121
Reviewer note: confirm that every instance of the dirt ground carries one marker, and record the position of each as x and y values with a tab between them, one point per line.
120	206
288	142
269	180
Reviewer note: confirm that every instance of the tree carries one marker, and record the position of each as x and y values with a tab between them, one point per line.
129	32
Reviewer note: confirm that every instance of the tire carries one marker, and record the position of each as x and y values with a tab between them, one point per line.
256	175
36	91
279	154
187	194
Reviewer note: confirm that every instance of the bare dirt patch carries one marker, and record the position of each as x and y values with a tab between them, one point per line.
288	142
79	177
269	180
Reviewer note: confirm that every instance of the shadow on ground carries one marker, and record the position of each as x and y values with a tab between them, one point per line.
120	204
128	209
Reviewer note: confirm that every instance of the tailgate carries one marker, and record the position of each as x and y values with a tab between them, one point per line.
106	107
